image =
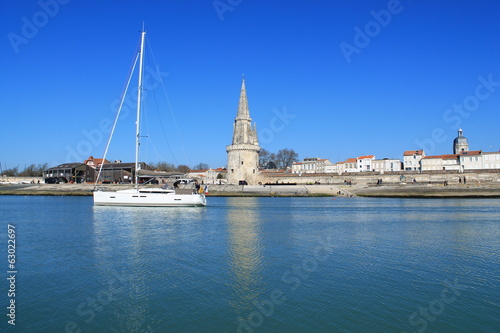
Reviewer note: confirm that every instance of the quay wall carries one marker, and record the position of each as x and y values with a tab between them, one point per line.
371	178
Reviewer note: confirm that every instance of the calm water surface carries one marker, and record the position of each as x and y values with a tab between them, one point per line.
255	265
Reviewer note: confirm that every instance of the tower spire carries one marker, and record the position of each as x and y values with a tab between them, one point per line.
243	112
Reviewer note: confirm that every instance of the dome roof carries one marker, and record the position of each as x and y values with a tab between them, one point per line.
460	139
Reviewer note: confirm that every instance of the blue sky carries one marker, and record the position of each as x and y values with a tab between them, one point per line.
330	79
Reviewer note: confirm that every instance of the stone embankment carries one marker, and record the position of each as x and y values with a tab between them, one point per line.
403	190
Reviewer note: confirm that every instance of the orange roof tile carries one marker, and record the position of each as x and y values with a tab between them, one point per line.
471	152
364	157
413	152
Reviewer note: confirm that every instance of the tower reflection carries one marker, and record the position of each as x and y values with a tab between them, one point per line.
245	253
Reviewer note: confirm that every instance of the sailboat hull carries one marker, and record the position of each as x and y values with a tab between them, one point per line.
135	198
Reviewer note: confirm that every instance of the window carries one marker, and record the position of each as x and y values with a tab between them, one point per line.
241	162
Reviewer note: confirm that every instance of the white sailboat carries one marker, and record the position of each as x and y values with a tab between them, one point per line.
146	197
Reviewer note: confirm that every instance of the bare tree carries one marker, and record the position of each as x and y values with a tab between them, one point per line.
264	157
201	166
183	168
163	166
285	158
10	172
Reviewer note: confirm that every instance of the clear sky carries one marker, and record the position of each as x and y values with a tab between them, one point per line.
330	79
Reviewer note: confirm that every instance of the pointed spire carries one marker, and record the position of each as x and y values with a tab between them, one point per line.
243	112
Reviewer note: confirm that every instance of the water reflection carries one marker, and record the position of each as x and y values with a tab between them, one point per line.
245	247
122	238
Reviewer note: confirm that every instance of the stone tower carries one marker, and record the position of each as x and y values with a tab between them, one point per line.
243	153
460	144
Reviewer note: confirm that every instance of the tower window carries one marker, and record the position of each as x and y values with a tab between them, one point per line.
232	170
241	162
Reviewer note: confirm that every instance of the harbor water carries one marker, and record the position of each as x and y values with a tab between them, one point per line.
253	265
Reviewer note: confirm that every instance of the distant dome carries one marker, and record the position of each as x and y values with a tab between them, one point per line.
460	144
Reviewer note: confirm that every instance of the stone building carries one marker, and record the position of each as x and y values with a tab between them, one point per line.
243	153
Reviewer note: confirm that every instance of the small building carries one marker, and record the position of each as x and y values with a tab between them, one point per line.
471	160
69	172
120	172
351	165
412	158
209	176
365	163
386	165
311	165
491	160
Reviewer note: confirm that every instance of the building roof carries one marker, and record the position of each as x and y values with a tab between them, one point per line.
65	166
471	152
365	157
433	156
96	161
198	171
351	160
413	152
449	156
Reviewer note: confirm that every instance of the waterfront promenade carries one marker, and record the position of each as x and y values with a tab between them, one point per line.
410	190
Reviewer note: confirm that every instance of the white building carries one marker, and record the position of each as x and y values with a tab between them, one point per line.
208	176
467	160
478	160
386	165
312	165
351	165
365	163
412	158
491	160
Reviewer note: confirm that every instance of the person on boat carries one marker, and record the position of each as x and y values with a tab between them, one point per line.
197	186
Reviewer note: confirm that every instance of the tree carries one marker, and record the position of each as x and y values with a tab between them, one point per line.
267	160
263	157
10	172
183	168
163	166
201	166
33	170
285	158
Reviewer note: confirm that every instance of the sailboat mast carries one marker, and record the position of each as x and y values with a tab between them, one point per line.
137	122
